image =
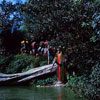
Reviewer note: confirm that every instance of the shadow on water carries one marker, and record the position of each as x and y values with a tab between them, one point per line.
37	93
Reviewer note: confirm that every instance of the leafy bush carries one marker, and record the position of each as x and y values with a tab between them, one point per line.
89	87
4	62
46	81
43	63
72	80
15	63
37	61
71	24
20	63
27	68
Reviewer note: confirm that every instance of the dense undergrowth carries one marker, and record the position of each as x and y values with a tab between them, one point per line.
73	25
23	62
87	86
47	81
20	63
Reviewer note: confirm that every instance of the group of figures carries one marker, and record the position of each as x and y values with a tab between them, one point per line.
45	49
38	48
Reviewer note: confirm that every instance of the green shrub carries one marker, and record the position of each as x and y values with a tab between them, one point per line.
37	61
46	81
19	63
4	62
27	68
91	86
43	63
16	63
72	80
88	86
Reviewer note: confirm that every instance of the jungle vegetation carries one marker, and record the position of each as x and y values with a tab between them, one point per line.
72	24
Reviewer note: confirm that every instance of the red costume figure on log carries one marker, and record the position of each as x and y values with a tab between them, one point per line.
59	65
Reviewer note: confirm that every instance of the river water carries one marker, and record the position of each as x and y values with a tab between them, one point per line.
37	93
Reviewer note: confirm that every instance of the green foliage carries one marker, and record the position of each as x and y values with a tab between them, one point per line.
10	22
72	80
16	63
9	14
20	63
70	23
43	63
46	81
4	62
37	61
92	83
62	74
87	86
27	68
74	23
71	20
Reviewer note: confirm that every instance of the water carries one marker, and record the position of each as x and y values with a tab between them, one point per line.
37	93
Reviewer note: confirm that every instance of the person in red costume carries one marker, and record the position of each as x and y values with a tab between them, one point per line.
59	54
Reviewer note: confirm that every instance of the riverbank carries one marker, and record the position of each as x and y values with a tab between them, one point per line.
55	84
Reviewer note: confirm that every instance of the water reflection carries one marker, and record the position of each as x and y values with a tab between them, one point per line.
33	93
59	89
59	96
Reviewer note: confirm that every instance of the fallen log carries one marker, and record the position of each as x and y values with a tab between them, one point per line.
12	79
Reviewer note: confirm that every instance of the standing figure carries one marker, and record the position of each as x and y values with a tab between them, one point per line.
33	47
57	59
27	44
22	47
59	54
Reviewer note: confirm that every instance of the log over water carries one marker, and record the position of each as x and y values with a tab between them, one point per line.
13	79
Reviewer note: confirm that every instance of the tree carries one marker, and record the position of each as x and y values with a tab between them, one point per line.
10	22
69	23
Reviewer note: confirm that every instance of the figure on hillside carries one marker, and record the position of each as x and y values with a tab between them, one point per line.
33	47
41	47
22	46
46	49
27	46
52	52
36	46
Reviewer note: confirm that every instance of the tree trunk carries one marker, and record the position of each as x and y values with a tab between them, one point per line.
13	79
